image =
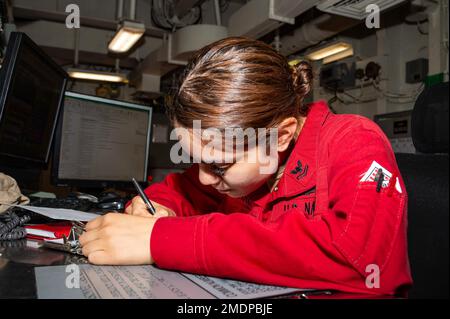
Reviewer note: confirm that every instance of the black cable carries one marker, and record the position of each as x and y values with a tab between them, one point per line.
20	243
11	226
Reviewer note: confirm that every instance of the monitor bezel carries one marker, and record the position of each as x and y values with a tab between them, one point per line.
88	183
16	42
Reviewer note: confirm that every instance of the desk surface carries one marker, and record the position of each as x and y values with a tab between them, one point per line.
18	259
17	262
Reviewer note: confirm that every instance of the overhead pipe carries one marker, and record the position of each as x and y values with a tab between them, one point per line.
133	9
119	17
217	12
315	31
76	46
277	40
119	10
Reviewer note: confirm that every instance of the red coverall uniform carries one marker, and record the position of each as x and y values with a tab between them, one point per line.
329	224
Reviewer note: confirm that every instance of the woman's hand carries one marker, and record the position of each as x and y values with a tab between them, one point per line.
138	208
118	239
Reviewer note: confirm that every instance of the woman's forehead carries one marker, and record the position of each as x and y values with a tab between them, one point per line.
210	151
228	145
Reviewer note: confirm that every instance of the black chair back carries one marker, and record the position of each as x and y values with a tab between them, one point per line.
426	177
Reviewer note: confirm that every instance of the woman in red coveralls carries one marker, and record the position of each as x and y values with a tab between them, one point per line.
332	215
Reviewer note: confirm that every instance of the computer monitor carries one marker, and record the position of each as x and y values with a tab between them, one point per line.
32	87
101	142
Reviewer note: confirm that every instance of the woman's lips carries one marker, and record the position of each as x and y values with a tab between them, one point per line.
223	190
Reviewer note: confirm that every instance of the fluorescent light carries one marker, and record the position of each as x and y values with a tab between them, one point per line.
97	75
338	56
329	50
128	34
294	62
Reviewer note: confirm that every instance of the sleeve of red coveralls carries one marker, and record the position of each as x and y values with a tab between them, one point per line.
366	222
240	246
183	193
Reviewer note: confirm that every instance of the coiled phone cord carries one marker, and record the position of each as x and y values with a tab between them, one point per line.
11	226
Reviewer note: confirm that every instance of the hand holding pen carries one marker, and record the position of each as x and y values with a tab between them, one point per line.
144	197
141	205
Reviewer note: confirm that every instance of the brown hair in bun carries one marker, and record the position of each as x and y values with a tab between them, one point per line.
240	82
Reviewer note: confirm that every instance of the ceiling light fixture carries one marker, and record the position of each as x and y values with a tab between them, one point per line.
128	33
338	56
330	50
97	76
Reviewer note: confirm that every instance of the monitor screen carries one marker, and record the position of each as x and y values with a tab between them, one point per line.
101	142
32	87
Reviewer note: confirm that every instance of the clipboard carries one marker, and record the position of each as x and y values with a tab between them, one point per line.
71	243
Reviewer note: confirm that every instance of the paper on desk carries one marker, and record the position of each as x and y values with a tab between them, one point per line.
146	282
234	289
60	213
114	282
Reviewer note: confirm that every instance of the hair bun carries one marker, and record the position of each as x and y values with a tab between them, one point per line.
302	76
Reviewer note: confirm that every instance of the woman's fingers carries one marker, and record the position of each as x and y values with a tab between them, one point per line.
163	211
89	236
102	221
120	239
99	257
139	208
95	223
93	246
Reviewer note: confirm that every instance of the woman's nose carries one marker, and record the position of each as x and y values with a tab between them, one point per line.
206	177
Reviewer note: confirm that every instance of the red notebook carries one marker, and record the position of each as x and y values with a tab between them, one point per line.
48	231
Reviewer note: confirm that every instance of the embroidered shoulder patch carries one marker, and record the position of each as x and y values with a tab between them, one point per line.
373	172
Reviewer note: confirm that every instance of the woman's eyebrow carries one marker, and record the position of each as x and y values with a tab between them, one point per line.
220	165
225	164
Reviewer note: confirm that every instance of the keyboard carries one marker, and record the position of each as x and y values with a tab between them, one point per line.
75	203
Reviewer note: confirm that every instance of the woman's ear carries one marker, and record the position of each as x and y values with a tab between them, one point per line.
286	133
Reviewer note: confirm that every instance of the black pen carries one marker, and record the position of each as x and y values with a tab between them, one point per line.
144	197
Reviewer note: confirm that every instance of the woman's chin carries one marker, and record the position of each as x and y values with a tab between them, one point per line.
233	194
237	194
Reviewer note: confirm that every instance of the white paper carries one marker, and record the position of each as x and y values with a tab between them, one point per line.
233	289
40	233
145	282
116	282
60	213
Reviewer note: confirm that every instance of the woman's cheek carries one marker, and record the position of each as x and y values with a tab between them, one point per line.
244	184
241	179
